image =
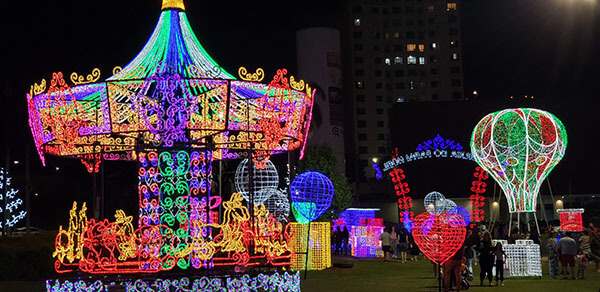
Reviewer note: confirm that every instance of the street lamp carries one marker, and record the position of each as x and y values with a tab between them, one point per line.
374	159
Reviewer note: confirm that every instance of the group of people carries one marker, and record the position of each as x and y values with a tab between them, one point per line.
340	239
573	249
398	244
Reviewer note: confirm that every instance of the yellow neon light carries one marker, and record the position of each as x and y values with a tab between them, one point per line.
37	88
296	85
319	255
90	78
69	243
173	4
257	76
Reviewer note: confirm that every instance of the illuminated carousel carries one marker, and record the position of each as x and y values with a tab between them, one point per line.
174	111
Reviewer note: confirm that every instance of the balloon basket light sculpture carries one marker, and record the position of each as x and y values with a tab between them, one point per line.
311	193
519	148
174	111
571	220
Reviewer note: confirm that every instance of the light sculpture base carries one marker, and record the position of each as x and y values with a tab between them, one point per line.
319	246
282	282
523	259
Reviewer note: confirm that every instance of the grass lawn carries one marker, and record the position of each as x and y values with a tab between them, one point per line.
375	275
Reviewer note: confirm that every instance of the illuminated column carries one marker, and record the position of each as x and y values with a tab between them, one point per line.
319	246
174	190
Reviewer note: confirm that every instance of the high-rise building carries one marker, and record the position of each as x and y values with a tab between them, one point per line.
395	51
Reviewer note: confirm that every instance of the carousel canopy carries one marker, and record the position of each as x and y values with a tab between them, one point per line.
172	95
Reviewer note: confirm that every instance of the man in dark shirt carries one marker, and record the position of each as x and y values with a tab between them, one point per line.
453	265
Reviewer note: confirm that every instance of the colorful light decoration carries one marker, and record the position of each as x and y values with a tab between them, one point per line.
278	205
571	219
171	94
402	190
435	203
438	236
462	212
439	143
319	245
311	194
523	259
478	188
281	282
519	148
265	178
12	202
173	110
103	247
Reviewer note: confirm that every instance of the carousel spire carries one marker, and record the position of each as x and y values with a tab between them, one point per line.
173	4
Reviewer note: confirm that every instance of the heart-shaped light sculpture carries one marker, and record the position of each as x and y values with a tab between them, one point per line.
439	236
519	148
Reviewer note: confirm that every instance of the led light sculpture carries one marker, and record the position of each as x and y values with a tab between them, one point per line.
319	246
278	205
523	259
174	110
571	219
262	178
12	202
439	236
519	148
311	194
435	203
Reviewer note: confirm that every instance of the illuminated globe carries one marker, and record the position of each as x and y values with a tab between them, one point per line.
311	194
278	205
519	148
266	178
462	212
449	205
435	203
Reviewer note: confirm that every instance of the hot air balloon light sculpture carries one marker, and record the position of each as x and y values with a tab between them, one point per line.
519	148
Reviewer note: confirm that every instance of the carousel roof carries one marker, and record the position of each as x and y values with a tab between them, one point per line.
172	95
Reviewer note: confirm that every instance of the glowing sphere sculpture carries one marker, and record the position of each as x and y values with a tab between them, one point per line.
519	148
462	212
278	205
449	205
265	178
435	203
311	194
439	236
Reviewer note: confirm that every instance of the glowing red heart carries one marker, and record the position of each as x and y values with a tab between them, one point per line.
439	236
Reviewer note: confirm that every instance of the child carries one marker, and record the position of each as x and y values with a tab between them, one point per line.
583	260
499	253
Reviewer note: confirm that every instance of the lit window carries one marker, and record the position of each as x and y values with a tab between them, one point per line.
411	60
412	85
396	35
386	36
360	85
430	8
421	48
454	56
451	6
398	60
434	45
411	47
453	43
400	99
422	60
357	22
388	61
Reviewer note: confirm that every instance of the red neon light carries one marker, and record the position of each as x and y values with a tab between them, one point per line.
477	200
439	236
402	190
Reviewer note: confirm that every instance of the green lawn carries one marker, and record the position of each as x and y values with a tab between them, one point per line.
375	275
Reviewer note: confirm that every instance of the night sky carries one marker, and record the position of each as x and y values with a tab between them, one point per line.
548	49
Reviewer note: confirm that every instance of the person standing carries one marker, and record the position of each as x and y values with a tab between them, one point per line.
567	246
386	240
582	261
486	258
403	243
553	257
345	239
414	249
394	243
452	267
499	253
